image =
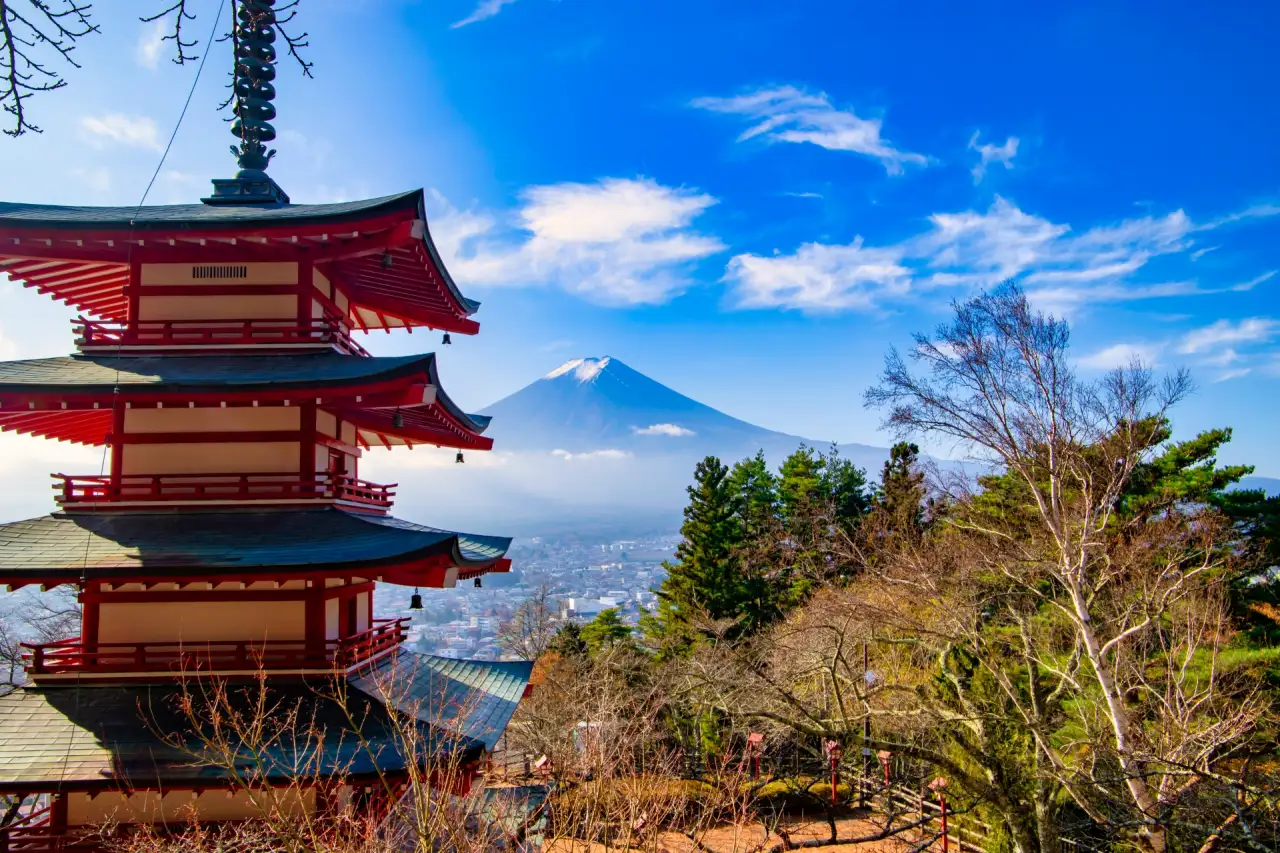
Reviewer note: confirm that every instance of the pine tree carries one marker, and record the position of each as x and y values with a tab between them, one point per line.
756	489
800	482
843	486
605	631
704	578
902	491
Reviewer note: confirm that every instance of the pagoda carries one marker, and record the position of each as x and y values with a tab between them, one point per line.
229	535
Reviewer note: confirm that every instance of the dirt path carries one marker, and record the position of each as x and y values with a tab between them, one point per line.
732	839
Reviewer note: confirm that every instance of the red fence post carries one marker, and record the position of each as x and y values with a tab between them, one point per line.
833	755
939	785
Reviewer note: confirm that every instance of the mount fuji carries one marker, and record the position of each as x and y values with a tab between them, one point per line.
602	406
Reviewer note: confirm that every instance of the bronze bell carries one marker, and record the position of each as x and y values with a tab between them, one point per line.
415	601
478	583
397	420
459	458
386	259
446	340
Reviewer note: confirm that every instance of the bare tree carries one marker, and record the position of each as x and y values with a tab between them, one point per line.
997	381
38	39
531	628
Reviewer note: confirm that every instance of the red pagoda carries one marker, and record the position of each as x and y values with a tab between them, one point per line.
229	533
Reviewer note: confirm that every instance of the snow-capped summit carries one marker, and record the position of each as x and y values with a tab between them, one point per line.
580	369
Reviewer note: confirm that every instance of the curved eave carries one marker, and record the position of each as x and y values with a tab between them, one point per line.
81	255
152	547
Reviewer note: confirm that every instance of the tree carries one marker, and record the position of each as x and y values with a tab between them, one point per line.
843	486
755	488
703	581
532	628
605	631
36	36
800	482
1131	627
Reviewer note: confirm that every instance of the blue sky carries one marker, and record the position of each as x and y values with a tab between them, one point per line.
751	201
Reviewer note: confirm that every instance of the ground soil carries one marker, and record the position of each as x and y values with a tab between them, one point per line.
731	839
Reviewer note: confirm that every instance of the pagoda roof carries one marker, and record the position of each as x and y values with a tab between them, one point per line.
78	390
81	255
105	737
149	546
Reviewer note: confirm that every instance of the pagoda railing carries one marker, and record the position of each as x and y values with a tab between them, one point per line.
96	334
74	490
74	656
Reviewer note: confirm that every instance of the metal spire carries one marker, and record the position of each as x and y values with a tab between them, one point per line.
254	38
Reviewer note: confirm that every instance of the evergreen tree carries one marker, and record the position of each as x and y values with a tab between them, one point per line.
902	491
567	641
756	489
704	578
800	482
843	486
605	631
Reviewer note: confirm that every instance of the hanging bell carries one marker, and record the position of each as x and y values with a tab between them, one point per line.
446	340
478	583
459	458
415	600
397	420
386	259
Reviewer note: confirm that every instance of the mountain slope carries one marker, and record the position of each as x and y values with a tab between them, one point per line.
600	405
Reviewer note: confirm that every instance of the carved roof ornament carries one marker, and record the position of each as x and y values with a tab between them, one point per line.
255	69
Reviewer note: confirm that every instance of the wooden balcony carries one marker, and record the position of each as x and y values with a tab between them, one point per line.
73	658
95	336
90	492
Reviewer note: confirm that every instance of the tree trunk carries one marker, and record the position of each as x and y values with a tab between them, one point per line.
1153	835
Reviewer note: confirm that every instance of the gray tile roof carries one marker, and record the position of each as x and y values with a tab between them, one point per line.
103	545
175	215
138	734
474	699
210	373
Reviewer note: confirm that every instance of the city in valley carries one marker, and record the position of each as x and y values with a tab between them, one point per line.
582	577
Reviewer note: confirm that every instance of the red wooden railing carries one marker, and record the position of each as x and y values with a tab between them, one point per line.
228	333
74	489
72	656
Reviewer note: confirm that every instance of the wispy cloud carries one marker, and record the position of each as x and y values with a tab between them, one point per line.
1200	253
1233	374
133	131
1224	332
485	10
791	114
670	430
1121	355
969	249
150	43
608	453
988	154
616	242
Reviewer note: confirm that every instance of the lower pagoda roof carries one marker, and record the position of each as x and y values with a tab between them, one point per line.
279	544
70	397
137	736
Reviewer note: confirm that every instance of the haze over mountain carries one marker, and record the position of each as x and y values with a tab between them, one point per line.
592	446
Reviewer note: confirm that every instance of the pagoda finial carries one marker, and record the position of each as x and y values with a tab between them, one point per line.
255	35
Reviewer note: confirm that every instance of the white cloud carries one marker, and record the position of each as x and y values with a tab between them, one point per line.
1062	268
672	430
988	154
484	10
1200	253
590	454
1225	333
1121	355
790	114
150	43
1233	374
616	242
133	131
